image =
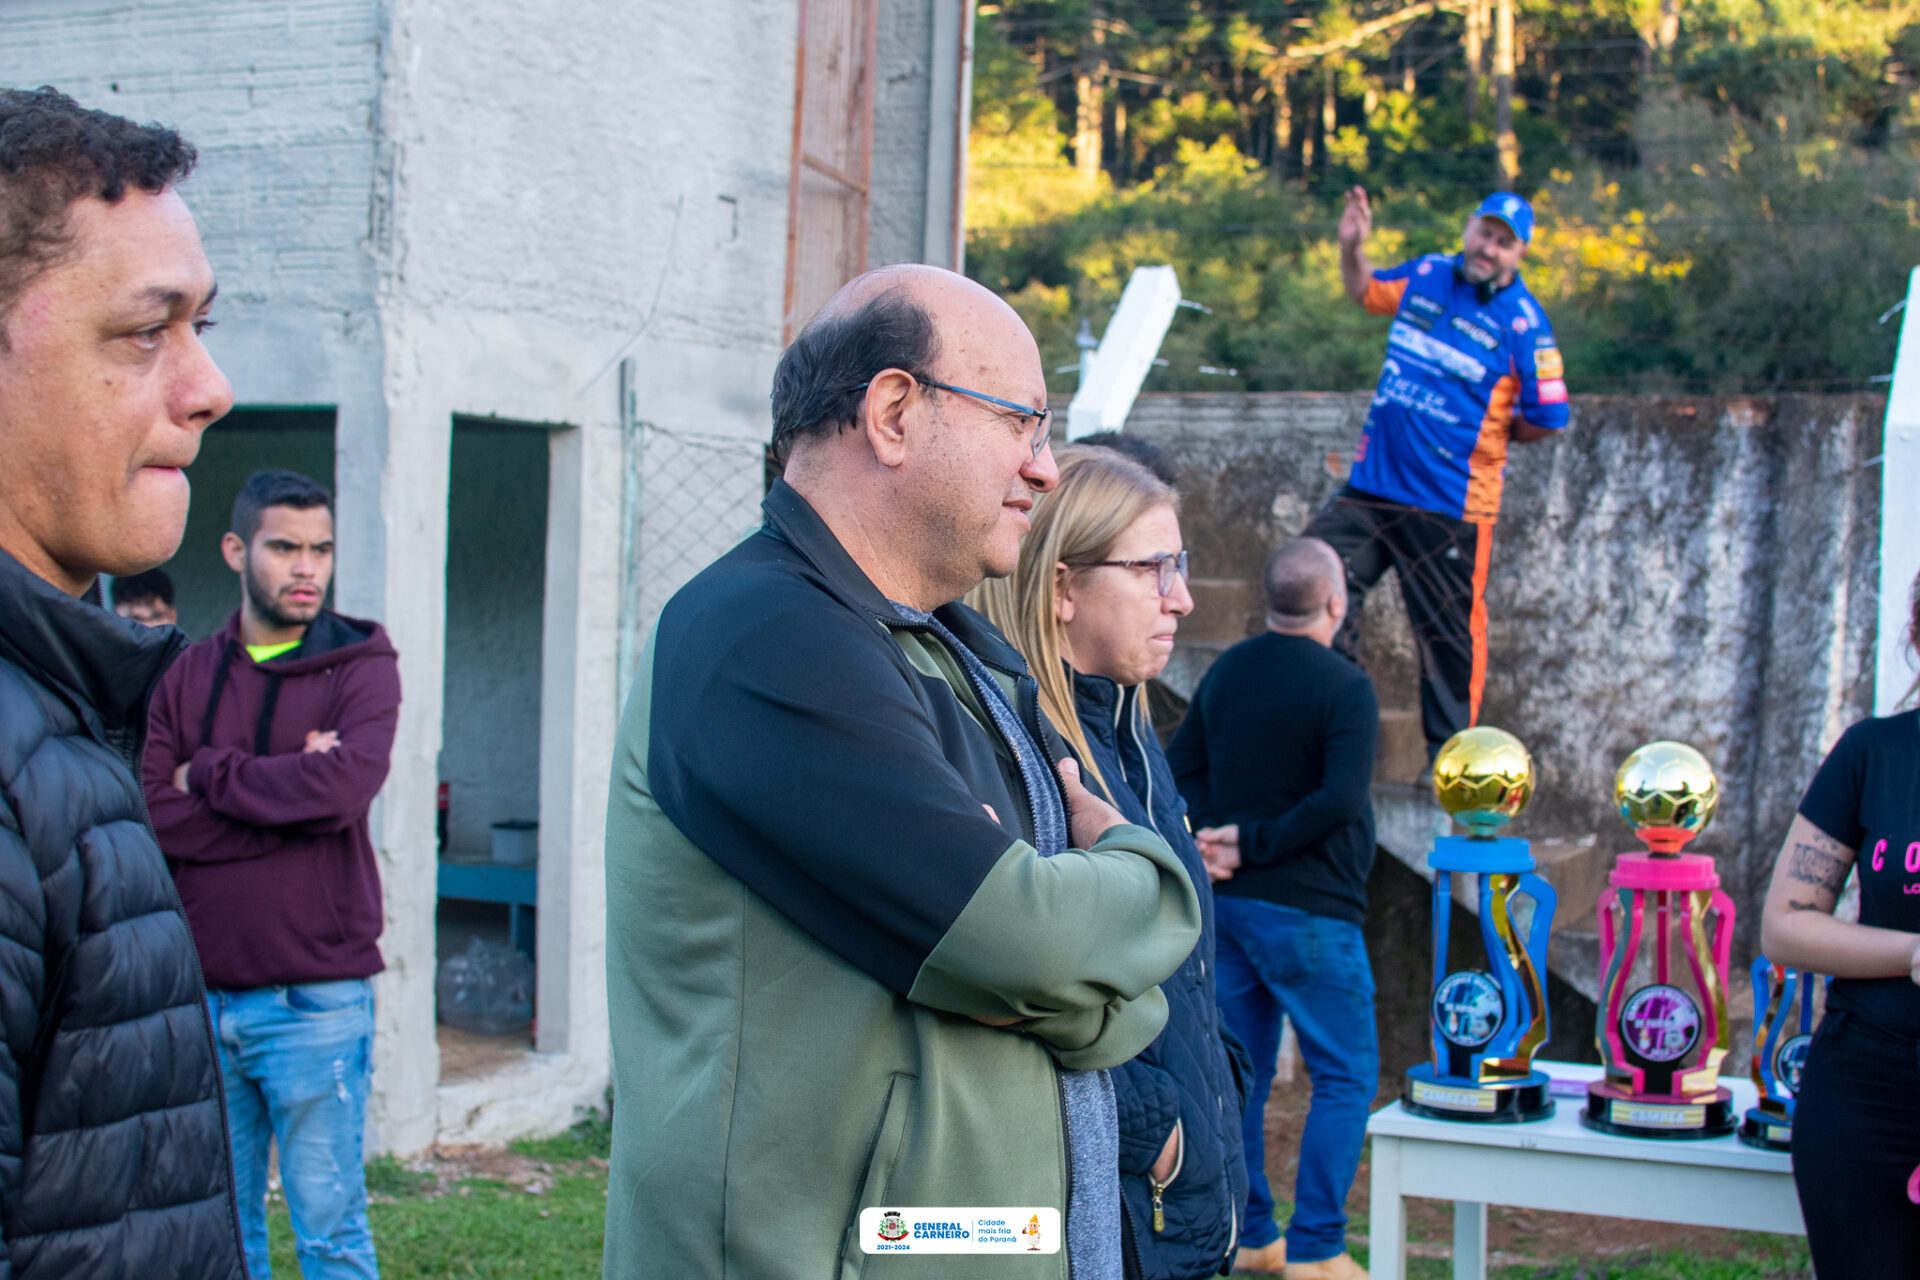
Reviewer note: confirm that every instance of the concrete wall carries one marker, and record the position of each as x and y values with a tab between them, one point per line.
920	110
1694	569
281	99
427	208
496	582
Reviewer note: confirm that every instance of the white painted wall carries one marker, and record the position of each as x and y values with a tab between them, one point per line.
427	208
1895	671
565	193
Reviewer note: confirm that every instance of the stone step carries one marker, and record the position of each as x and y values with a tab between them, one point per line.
1577	870
1401	753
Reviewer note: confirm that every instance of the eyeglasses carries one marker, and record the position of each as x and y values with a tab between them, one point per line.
1043	418
1167	567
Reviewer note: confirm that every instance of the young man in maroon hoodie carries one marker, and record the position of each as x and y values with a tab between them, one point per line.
268	743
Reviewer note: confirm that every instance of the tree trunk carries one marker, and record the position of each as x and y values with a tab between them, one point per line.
1508	145
1282	124
1089	96
1329	122
1471	37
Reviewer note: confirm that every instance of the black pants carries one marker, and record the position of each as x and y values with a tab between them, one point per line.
1442	566
1856	1143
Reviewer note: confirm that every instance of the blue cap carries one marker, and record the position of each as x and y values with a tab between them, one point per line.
1510	209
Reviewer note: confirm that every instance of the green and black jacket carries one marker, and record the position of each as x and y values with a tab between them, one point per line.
810	904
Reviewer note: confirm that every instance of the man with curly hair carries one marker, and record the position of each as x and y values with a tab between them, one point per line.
113	1147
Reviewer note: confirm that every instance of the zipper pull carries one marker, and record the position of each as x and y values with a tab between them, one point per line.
1159	1210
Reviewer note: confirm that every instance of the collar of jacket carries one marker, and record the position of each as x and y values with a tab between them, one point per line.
326	637
102	665
792	519
1103	705
1485	292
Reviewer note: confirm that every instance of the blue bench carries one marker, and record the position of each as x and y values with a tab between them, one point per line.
484	880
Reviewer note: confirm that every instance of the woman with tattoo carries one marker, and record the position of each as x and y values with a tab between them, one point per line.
1856	1123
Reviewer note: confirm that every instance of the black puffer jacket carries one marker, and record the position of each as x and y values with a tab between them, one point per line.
1195	1072
113	1147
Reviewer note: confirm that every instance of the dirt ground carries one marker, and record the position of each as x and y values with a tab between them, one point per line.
1519	1237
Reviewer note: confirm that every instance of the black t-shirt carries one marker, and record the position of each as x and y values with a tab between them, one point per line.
1280	739
1867	796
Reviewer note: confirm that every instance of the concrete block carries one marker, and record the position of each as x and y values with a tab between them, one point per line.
1401	752
1225	611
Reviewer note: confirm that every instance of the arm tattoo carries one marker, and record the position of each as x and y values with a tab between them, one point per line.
1819	862
1793	905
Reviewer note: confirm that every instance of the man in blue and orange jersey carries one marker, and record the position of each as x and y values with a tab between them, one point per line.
1471	365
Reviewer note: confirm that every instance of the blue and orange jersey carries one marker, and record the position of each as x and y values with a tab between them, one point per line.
1459	370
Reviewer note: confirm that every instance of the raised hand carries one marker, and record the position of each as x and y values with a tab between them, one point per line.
1356	220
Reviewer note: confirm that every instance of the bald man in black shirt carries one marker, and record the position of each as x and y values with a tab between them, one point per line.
1275	760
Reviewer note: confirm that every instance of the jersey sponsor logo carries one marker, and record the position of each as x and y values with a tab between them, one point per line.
1519	324
1423	268
1453	360
1408	394
1533	312
1475	333
1421	302
1547	363
1553	391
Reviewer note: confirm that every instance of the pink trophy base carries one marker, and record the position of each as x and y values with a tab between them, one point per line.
1663	1049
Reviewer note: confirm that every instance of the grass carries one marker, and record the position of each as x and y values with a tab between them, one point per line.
480	1228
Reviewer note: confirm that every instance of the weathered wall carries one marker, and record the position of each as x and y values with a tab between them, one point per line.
903	123
1694	569
419	209
922	95
282	100
496	581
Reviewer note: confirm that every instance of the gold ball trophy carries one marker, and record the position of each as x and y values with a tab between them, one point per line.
1663	1041
1486	1023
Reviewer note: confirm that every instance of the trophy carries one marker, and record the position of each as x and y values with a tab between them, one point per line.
1486	1022
1663	1041
1780	1043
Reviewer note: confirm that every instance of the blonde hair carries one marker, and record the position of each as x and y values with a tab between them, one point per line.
1100	494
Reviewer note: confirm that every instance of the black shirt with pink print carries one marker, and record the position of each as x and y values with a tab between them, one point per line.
1867	796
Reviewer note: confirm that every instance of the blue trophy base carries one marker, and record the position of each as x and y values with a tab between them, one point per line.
1766	1131
1439	1097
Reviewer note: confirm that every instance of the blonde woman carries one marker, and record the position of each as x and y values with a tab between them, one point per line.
1100	588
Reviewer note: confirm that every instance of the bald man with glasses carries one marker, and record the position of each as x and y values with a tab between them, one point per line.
871	944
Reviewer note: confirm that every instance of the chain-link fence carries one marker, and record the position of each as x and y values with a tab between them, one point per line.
688	497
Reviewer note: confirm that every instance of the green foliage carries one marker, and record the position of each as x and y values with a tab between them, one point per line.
1725	205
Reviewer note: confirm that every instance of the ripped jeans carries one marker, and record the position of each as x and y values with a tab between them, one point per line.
296	1062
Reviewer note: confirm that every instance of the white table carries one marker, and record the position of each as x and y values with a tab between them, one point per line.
1559	1164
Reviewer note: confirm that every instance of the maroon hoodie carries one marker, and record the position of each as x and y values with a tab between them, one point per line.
269	844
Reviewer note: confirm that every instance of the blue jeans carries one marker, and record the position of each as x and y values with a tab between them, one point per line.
1274	960
296	1063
